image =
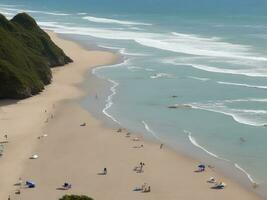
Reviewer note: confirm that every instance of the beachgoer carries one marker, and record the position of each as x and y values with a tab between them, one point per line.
105	171
5	136
242	140
161	145
143	186
20	181
66	186
147	189
141	166
119	130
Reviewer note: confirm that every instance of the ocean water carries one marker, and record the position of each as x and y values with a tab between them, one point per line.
208	59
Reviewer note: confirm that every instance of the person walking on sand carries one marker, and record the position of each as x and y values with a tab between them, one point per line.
161	145
105	171
6	137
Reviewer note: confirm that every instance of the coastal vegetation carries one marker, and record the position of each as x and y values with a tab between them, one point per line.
75	197
26	55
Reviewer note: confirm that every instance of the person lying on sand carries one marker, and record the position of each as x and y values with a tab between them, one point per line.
83	124
119	130
138	147
212	180
201	168
147	189
66	186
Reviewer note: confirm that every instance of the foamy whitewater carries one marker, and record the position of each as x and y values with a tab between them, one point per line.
214	64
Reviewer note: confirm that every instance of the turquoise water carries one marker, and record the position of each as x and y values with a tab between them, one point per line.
208	59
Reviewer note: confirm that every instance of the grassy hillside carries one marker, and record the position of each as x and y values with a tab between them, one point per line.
26	55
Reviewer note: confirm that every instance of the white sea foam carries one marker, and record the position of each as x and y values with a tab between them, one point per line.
136	28
242	116
81	13
198	78
150	70
161	75
134	68
180	43
150	130
112	21
194	142
125	62
115	84
7	14
195	37
253	72
242	85
245	100
246	173
109	101
15	10
201	47
9	5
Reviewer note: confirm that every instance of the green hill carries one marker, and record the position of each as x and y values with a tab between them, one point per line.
26	55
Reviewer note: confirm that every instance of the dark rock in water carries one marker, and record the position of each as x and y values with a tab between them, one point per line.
172	107
26	55
174	96
180	106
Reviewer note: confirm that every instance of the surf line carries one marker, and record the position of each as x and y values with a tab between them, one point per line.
194	142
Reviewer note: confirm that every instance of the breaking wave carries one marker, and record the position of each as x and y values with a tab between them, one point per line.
161	75
199	78
194	142
150	130
113	21
180	43
242	85
109	101
242	116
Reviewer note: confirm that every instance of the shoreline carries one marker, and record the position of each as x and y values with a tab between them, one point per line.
223	166
163	186
23	121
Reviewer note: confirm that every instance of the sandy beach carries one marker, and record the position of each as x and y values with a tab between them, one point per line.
77	154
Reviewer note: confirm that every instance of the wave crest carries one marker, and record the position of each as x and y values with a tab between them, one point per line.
113	21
